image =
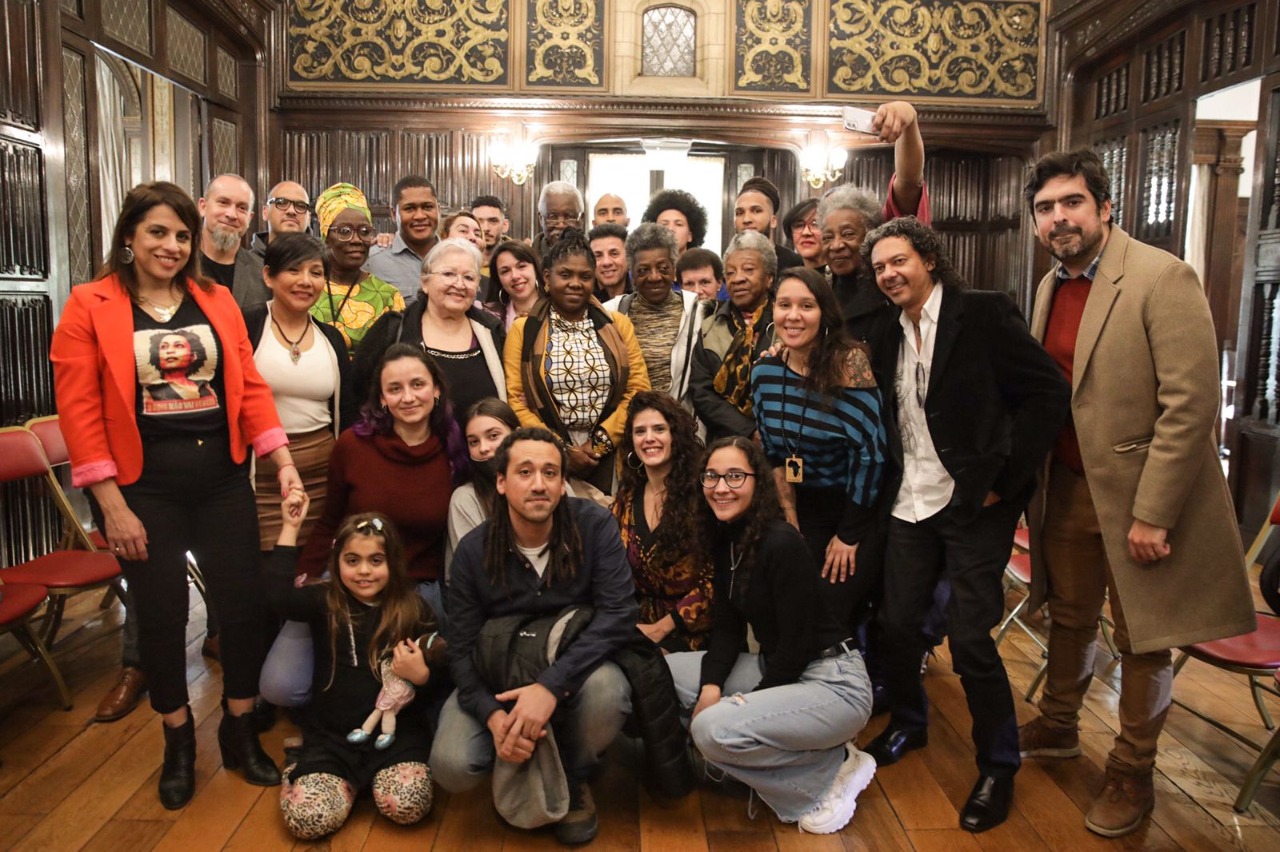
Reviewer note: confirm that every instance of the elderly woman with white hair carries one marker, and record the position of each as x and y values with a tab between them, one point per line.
465	340
733	337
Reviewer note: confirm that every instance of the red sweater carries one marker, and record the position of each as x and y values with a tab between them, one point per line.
1060	343
409	485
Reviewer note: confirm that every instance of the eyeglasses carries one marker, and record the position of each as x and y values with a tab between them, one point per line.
372	525
344	233
807	225
449	276
922	384
561	217
285	203
734	478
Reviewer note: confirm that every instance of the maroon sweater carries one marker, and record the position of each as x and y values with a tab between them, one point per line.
409	485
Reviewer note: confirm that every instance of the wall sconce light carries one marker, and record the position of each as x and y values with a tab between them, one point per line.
820	164
513	161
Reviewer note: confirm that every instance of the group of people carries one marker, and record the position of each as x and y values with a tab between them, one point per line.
502	496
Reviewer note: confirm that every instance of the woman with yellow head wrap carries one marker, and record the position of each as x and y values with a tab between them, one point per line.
352	299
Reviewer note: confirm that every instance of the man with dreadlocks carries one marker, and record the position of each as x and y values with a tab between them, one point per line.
539	555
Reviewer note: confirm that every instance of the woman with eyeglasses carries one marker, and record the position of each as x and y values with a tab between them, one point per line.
817	409
779	721
803	234
352	300
464	340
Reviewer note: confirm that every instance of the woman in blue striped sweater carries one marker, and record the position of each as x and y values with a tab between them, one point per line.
819	414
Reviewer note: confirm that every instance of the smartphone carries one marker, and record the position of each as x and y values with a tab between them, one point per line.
859	120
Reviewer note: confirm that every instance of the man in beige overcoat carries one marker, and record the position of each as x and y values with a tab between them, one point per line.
1133	500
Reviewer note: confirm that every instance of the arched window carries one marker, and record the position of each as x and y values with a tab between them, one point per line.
669	42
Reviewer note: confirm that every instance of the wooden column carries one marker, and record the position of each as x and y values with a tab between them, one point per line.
1217	144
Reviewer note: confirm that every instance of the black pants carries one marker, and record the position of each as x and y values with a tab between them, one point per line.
820	511
973	557
193	497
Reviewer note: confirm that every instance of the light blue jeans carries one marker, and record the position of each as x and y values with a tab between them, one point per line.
786	742
585	725
285	680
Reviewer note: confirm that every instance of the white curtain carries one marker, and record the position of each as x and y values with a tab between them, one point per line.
113	151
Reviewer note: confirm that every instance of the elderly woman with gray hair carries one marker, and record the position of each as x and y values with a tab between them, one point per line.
465	340
665	317
732	339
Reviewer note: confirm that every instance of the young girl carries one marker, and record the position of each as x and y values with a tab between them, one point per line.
780	721
369	610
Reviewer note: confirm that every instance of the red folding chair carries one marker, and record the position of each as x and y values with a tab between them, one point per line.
48	430
63	572
19	604
1259	770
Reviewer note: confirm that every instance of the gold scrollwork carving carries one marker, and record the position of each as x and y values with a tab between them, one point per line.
566	43
942	47
399	41
772	45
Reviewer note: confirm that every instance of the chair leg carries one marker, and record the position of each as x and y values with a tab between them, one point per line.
53	619
1035	682
1180	662
109	597
38	650
1106	626
1256	689
1257	772
197	578
1009	620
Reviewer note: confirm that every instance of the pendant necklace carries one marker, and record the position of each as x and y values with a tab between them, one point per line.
734	562
294	352
793	467
164	312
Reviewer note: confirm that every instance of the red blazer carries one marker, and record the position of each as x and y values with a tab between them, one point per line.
95	379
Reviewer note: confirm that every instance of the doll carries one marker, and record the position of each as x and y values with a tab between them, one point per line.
395	694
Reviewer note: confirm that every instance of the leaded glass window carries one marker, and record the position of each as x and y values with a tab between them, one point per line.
669	42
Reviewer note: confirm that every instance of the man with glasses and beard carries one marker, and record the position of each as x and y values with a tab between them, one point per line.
287	211
226	210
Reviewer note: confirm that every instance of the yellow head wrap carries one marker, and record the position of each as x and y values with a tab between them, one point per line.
335	199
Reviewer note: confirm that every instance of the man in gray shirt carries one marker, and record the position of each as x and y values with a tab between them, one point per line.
417	213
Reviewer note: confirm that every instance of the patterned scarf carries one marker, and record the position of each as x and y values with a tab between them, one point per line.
733	379
335	199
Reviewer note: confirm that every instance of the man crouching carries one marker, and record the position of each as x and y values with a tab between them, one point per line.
539	556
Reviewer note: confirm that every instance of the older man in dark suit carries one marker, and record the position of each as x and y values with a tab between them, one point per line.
975	401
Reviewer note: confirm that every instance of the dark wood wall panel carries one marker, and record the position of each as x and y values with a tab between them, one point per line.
24	249
26	383
19	82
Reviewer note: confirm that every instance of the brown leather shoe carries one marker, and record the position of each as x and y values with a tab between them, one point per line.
123	697
1038	739
1123	803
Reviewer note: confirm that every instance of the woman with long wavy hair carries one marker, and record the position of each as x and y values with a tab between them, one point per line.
656	506
778	721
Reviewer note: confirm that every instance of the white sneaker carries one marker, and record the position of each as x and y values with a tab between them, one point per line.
841	799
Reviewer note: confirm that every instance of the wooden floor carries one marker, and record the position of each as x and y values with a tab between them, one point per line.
68	783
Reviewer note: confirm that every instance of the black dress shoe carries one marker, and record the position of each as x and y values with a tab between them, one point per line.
890	746
879	699
988	804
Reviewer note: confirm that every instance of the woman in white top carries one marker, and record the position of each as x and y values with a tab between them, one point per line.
306	364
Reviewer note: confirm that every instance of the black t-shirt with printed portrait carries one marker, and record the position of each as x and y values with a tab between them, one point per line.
179	370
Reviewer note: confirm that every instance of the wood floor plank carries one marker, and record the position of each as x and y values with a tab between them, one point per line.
80	815
874	827
213	816
134	835
918	800
672	825
471	822
740	841
943	840
13	828
263	827
21	758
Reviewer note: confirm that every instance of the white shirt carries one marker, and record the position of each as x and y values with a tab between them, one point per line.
926	486
538	557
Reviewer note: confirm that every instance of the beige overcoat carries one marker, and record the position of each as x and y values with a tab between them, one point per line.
1144	400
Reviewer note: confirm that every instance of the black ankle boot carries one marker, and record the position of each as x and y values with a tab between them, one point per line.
238	739
178	777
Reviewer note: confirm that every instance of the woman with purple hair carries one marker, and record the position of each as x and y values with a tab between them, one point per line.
402	459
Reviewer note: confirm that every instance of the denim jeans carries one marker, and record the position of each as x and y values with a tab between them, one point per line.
585	726
786	742
288	669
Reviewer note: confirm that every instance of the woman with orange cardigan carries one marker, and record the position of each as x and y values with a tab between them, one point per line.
572	367
166	467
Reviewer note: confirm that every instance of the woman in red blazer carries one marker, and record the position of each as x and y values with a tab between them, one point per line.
160	400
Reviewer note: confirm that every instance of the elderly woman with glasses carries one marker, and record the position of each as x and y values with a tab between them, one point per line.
353	299
445	322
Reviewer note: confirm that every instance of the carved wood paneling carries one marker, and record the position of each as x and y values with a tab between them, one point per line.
1229	40
19	84
1111	93
228	74
187	49
772	47
1158	185
225	154
1114	154
1163	67
75	136
24	248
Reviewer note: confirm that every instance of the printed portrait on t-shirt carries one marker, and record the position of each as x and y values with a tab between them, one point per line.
176	368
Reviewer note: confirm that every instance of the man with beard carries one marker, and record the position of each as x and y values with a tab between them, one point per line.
539	554
1134	499
756	209
227	209
608	244
560	206
287	211
490	213
610	209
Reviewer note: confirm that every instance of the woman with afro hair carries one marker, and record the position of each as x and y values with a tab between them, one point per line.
680	213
